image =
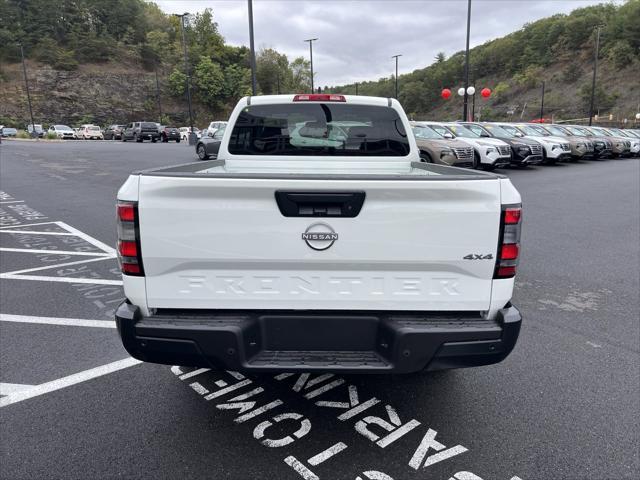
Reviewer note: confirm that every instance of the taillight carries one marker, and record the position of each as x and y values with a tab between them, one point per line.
129	255
319	97
509	246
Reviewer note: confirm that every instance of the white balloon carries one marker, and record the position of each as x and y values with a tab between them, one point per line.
471	90
461	91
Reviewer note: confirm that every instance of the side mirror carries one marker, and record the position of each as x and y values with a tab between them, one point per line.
519	134
211	133
447	135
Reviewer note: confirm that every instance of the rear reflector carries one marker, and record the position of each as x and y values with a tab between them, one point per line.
131	268
506	272
127	248
509	251
319	97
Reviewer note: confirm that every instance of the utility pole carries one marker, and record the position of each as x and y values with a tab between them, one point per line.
311	40
595	69
396	57
357	91
542	104
278	80
192	135
158	96
254	83
466	64
26	84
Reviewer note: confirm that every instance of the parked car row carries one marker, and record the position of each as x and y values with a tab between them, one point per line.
486	145
496	144
137	131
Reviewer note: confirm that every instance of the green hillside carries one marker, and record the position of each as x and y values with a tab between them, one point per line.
557	49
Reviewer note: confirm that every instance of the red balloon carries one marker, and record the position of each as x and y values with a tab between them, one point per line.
486	92
446	93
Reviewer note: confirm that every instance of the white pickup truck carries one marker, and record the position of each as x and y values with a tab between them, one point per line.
318	241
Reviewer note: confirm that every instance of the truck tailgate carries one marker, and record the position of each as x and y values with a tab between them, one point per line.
223	243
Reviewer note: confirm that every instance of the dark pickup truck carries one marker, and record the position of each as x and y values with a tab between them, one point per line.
140	131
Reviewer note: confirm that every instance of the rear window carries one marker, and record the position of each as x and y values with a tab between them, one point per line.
149	125
94	128
310	129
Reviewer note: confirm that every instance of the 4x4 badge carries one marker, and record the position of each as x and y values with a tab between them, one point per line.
476	256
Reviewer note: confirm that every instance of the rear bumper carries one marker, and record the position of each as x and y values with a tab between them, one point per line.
331	341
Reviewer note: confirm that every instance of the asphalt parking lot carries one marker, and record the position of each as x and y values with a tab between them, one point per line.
564	405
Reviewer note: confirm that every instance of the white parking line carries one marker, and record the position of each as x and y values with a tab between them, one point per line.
194	373
88	238
68	381
68	322
29	232
42	278
57	265
56	252
28	225
11	388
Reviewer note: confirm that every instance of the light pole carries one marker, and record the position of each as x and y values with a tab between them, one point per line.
26	84
254	84
466	64
595	69
158	95
356	88
542	103
311	40
192	135
396	57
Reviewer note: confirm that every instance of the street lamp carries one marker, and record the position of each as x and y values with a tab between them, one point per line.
254	85
466	64
595	69
396	57
192	135
542	103
26	84
311	40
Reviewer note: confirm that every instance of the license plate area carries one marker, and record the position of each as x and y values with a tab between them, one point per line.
319	332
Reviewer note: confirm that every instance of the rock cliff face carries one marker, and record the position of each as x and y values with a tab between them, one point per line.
93	94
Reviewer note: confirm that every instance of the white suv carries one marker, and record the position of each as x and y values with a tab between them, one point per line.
555	149
489	153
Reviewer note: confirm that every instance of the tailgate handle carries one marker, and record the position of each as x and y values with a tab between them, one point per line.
320	204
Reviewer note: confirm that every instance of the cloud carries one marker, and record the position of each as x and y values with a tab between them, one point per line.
357	38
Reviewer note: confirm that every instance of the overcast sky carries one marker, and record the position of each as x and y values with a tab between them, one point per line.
357	37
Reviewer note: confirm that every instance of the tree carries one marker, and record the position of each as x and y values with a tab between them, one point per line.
440	57
177	83
272	70
300	75
209	82
237	83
